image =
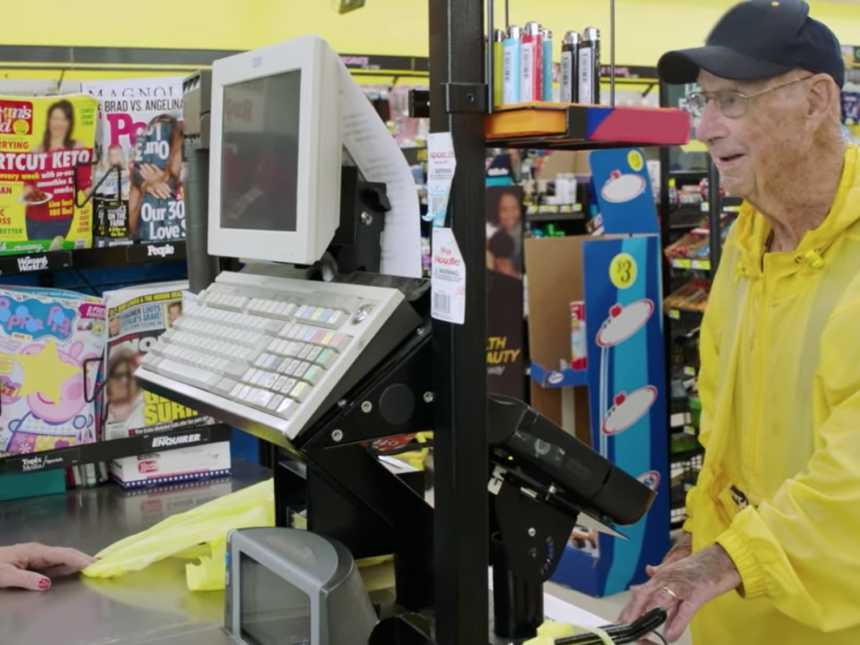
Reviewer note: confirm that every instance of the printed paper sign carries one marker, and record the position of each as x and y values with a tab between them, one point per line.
448	281
440	175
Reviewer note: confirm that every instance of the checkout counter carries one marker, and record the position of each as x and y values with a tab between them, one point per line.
150	606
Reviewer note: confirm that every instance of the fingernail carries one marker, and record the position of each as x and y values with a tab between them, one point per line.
45	583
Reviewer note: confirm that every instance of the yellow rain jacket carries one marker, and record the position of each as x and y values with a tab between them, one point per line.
780	390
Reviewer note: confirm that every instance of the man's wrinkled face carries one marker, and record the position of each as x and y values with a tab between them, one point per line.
753	152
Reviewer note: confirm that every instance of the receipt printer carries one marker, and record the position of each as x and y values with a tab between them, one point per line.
292	587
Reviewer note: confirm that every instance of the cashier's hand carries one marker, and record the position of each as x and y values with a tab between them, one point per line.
682	586
32	565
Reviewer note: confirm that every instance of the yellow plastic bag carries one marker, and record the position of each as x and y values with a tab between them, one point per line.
199	534
551	630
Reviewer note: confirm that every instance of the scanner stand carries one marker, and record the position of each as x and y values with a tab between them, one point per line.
347	493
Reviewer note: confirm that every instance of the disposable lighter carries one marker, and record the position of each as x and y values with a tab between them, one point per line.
512	74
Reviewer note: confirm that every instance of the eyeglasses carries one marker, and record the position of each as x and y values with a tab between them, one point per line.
731	103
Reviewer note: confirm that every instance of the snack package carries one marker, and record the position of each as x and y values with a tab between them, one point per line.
139	143
46	156
51	343
137	316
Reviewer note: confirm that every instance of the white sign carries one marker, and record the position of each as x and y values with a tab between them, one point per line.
160	251
27	263
448	278
180	440
442	163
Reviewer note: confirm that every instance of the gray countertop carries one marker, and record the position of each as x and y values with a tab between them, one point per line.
150	606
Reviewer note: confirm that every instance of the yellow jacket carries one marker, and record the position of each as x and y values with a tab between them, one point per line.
780	390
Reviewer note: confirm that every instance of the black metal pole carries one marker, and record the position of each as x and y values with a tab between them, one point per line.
665	231
715	211
461	543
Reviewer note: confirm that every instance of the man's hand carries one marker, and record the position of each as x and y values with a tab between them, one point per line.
680	550
682	586
31	566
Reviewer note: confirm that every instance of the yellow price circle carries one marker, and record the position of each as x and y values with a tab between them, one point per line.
635	159
20	127
623	271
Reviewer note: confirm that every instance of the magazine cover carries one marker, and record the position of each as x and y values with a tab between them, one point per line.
139	146
51	342
136	318
46	156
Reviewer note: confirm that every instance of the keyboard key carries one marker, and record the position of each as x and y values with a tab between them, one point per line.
340	342
300	391
275	403
313	374
187	374
259	397
226	385
226	301
301	369
326	358
336	318
287	386
267	380
261	360
287	408
313	354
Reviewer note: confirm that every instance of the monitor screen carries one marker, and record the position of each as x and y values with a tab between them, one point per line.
273	612
259	153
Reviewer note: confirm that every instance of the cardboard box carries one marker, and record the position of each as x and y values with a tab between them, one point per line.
617	404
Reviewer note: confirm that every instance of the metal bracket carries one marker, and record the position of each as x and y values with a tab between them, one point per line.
465	97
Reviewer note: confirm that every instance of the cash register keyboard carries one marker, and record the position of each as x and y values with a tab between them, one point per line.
268	349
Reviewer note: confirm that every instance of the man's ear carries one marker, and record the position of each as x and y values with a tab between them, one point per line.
825	100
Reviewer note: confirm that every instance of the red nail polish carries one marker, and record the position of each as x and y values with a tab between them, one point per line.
45	583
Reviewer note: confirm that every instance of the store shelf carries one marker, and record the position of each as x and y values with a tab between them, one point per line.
553	213
108	450
564	126
131	254
688	264
678	314
685	218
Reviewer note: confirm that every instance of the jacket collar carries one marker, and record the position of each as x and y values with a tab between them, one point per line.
753	229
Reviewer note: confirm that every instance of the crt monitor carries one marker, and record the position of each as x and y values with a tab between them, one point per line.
293	587
276	147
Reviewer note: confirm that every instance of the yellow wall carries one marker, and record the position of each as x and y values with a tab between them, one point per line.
646	28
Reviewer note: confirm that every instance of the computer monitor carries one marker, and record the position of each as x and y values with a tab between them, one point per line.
276	148
293	587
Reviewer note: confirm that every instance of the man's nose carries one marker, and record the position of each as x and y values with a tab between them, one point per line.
712	124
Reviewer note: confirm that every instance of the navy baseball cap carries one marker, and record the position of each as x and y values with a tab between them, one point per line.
759	39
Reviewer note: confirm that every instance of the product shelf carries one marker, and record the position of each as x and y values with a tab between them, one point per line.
688	264
676	313
95	258
554	213
565	126
114	449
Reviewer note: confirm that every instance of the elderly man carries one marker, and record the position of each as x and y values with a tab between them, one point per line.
771	548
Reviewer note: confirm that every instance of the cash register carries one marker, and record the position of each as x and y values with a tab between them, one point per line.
310	348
